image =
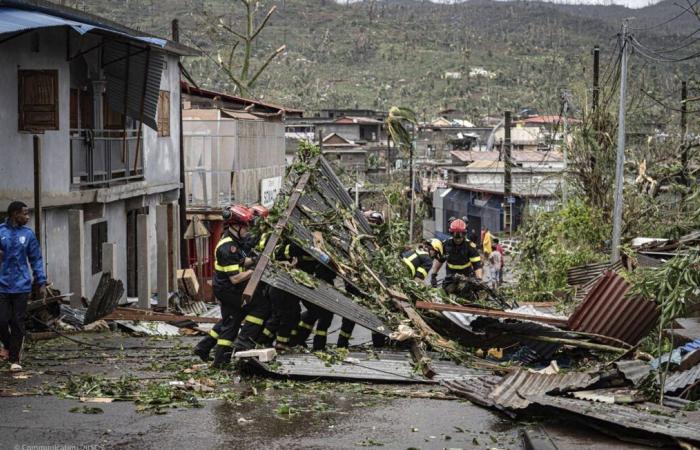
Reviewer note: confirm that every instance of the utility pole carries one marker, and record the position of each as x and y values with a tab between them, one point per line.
596	75
412	181
565	146
507	176
620	162
182	201
684	131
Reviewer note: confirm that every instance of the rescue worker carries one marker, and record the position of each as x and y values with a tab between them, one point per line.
232	263
315	314
461	255
286	309
347	326
374	217
420	260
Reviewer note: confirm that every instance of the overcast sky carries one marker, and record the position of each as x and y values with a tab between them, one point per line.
628	3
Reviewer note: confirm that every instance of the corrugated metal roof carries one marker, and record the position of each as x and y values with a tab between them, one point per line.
516	388
327	298
649	419
477	390
634	370
127	68
383	366
680	380
583	274
608	311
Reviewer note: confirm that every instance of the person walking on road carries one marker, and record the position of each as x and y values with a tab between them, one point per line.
19	249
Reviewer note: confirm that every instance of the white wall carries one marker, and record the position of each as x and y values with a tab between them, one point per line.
17	168
161	162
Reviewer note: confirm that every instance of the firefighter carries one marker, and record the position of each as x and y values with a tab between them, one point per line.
232	263
461	255
315	314
286	309
420	260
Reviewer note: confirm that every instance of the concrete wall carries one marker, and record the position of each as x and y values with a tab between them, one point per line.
161	163
16	170
350	131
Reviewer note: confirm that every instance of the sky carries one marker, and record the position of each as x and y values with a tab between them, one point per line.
628	3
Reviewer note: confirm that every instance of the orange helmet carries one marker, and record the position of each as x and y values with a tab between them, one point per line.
237	214
260	211
458	226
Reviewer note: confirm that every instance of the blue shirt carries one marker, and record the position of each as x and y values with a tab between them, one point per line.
20	249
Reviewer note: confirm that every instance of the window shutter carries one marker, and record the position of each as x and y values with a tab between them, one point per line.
38	100
164	113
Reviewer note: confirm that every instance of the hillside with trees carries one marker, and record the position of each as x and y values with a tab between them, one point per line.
479	56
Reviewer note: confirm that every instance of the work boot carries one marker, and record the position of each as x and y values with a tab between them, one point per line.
222	357
203	348
282	348
319	343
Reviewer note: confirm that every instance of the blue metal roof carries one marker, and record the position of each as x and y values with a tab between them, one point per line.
14	20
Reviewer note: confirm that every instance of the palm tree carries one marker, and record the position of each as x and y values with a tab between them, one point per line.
397	131
403	139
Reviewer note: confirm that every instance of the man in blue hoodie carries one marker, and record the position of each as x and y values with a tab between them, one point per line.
19	249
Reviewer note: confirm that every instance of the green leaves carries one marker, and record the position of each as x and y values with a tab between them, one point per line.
395	126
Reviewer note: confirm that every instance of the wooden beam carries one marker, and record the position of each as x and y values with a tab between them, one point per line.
275	237
150	316
562	323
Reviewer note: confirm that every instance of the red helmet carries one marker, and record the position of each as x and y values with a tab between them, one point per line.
237	214
260	211
458	226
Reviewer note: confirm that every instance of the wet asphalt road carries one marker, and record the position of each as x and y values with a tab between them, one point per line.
277	415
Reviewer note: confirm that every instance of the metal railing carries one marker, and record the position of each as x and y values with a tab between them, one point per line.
101	157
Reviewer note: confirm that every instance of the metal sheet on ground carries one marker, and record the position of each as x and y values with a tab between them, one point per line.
328	298
646	418
380	366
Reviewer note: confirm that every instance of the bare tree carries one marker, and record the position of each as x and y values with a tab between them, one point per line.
239	69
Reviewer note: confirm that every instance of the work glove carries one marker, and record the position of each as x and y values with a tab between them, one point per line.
42	292
434	281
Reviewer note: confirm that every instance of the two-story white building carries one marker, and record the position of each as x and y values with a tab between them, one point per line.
103	103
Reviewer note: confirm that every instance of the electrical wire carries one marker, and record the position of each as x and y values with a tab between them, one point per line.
666	22
693	111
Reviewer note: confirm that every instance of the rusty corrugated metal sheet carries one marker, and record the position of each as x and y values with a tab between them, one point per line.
608	311
515	389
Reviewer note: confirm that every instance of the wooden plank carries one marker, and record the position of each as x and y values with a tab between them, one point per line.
275	237
562	323
149	316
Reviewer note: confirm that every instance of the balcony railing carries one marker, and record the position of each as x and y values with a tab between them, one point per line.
103	157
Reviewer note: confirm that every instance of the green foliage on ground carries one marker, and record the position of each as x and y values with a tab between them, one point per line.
552	242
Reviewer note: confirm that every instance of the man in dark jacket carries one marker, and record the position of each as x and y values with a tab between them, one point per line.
19	249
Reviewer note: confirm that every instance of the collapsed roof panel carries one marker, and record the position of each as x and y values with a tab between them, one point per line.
327	297
383	366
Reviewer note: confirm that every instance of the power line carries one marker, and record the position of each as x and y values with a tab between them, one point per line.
666	22
665	105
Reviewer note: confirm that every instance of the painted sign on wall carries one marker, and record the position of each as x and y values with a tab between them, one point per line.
269	188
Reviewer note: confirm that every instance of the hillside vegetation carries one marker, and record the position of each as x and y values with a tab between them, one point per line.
374	54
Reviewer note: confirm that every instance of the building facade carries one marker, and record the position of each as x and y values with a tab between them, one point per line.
102	103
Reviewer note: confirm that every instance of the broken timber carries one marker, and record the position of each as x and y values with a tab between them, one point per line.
562	323
276	235
150	316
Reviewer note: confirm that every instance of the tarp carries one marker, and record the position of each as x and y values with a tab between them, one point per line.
13	20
